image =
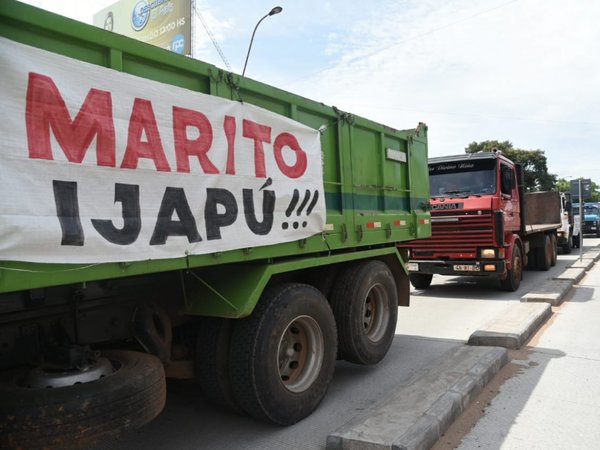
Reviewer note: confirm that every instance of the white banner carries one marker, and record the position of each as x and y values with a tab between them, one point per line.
99	166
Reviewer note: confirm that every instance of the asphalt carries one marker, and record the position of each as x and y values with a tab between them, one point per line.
419	413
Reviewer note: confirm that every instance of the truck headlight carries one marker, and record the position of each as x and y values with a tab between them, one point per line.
487	253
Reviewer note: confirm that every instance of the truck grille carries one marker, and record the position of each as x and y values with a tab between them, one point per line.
453	233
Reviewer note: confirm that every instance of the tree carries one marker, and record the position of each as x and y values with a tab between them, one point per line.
533	163
563	185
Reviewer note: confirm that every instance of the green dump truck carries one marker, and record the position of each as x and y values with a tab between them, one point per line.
160	217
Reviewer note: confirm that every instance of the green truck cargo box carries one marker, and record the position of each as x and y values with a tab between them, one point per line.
147	198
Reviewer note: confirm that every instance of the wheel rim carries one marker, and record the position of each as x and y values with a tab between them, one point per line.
41	378
300	353
376	313
517	269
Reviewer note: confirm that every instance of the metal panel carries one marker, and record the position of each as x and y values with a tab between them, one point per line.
363	187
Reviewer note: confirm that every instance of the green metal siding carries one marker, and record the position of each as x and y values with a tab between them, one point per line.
362	186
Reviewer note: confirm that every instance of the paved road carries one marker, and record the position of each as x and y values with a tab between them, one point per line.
439	320
454	307
553	401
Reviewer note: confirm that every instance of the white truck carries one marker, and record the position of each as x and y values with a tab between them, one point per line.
569	234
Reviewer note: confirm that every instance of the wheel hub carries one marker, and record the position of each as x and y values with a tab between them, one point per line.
40	378
375	315
300	354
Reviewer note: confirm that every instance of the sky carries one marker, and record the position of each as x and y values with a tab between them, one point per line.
526	71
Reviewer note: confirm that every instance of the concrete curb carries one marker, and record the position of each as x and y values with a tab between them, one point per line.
554	290
585	264
421	410
594	254
551	292
574	274
513	327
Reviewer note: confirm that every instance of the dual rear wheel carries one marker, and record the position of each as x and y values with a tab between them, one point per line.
276	364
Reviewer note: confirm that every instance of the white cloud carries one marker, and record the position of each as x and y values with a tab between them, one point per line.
520	70
525	71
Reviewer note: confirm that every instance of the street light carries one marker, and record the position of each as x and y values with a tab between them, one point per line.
275	10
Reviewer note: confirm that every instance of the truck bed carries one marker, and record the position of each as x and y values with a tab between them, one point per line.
539	228
372	183
541	212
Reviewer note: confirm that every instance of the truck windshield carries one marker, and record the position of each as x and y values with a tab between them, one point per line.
587	210
462	178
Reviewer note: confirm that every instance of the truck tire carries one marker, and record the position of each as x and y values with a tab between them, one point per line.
544	254
212	362
283	356
365	305
566	247
532	259
79	415
513	276
554	253
421	280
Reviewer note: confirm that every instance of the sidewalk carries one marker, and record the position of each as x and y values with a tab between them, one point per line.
552	400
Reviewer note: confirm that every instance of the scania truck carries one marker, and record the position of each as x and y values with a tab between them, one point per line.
160	217
483	223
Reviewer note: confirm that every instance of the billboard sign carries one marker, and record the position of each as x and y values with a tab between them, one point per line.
164	23
586	188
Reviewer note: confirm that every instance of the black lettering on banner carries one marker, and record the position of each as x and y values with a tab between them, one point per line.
129	196
215	220
268	206
67	211
174	200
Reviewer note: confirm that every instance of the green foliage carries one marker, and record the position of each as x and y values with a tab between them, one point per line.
563	185
533	162
595	192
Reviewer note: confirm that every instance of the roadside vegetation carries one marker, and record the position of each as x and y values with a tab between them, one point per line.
535	167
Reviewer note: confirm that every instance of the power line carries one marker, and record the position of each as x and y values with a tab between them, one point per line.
212	37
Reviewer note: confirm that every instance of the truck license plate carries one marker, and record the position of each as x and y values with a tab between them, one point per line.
413	267
466	267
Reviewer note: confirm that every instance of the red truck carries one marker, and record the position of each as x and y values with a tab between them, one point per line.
483	224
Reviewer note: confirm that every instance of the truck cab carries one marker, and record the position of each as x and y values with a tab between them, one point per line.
591	217
569	233
475	207
483	223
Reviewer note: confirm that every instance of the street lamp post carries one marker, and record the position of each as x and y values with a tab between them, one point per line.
275	10
581	222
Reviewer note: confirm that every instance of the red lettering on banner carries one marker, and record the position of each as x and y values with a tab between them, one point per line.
261	134
46	109
229	127
142	121
46	112
182	118
289	140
